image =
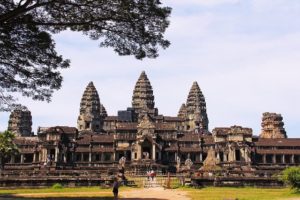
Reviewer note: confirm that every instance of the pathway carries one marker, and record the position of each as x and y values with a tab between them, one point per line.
157	193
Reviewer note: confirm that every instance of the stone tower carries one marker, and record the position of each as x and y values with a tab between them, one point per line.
20	122
103	112
195	109
90	110
272	126
182	113
143	98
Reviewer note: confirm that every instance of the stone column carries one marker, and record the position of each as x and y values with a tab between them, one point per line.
56	154
102	157
81	157
225	157
12	159
22	158
283	159
218	156
293	159
201	157
274	158
90	158
114	156
153	152
34	157
139	152
264	158
73	157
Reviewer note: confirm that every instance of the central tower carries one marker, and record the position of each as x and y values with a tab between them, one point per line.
143	98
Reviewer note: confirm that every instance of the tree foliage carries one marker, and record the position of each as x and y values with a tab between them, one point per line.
291	176
29	63
7	147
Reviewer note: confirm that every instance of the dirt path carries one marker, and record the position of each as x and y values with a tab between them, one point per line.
156	193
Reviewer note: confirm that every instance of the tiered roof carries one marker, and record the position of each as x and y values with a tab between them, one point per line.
272	126
90	110
196	105
20	122
143	98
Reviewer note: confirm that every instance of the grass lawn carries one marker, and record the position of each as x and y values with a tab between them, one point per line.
220	193
78	193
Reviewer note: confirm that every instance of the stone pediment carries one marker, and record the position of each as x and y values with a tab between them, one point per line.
146	123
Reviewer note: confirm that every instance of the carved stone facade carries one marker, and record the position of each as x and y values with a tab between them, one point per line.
20	122
272	126
194	111
90	110
148	139
143	98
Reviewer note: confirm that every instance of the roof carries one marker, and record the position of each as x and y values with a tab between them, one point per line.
164	126
127	126
279	151
190	149
278	142
173	119
191	137
57	129
26	140
95	138
171	148
233	130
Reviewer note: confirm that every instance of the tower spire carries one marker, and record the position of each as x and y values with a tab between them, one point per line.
89	115
20	122
143	98
196	108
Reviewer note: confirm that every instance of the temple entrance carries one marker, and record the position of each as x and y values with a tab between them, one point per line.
146	149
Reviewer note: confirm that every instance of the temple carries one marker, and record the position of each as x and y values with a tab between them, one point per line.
148	139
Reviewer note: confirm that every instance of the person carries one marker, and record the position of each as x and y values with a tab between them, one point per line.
152	174
116	188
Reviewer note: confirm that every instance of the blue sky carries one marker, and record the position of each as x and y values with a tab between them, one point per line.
243	53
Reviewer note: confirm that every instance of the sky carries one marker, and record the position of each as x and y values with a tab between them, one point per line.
244	54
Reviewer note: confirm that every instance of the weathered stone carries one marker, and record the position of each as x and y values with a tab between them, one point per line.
143	98
90	110
183	112
20	122
210	163
103	112
194	111
272	126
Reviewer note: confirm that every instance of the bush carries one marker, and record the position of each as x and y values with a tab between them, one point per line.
291	176
57	186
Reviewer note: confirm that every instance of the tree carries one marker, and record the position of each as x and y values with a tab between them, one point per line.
29	63
7	147
291	176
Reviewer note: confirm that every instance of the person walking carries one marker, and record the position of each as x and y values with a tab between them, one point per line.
115	188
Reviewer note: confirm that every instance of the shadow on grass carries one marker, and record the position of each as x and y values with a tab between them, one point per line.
12	197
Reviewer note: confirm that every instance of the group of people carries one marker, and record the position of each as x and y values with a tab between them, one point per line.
151	174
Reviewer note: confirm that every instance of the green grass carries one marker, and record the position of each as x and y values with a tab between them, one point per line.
248	193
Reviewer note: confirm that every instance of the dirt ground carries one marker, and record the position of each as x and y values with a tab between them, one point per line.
156	193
